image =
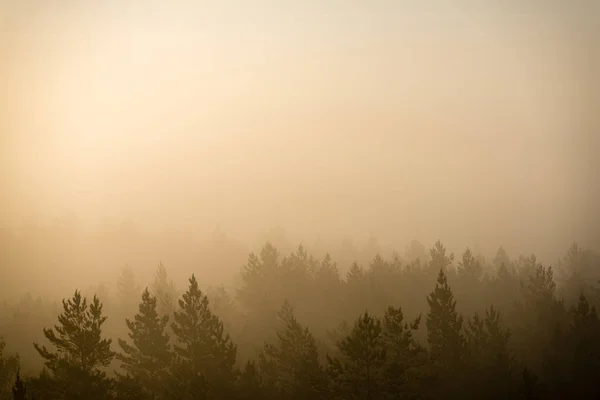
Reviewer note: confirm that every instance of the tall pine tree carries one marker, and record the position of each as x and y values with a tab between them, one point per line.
165	292
359	371
444	335
405	368
491	363
81	352
148	358
291	368
9	367
206	355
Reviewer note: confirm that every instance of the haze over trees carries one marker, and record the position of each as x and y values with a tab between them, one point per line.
299	200
296	328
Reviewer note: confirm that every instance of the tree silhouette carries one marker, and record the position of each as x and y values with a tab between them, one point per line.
359	372
148	359
206	355
81	351
291	367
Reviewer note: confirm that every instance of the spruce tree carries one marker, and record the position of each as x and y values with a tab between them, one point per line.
81	351
206	355
148	358
291	367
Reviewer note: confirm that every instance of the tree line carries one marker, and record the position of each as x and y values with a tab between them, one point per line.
435	328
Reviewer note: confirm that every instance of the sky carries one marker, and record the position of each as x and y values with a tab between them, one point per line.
471	124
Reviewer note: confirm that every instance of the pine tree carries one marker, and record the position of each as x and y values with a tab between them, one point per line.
490	360
260	293
530	387
81	351
439	258
128	291
444	334
405	358
206	355
359	371
584	333
444	324
540	314
165	292
501	259
148	359
469	268
18	390
291	367
326	295
356	291
355	275
9	366
250	385
572	364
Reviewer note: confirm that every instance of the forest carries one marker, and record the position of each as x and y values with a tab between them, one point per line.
437	326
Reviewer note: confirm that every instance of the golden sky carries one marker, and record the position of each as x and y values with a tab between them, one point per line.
328	117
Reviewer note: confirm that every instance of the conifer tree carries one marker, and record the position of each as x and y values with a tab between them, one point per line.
469	268
572	364
359	371
444	335
444	324
291	367
501	259
165	292
540	314
81	351
148	358
9	366
18	391
250	385
128	291
491	363
584	332
206	355
405	358
439	258
355	275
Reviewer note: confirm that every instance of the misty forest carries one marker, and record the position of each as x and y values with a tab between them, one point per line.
299	200
425	324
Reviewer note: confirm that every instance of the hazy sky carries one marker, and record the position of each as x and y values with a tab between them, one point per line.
325	117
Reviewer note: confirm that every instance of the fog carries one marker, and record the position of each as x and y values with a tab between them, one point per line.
330	121
134	133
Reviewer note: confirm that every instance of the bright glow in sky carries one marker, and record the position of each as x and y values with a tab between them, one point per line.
323	116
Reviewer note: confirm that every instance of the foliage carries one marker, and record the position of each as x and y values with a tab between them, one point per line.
81	351
203	349
147	359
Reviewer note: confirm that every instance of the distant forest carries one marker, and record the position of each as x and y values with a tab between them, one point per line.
295	327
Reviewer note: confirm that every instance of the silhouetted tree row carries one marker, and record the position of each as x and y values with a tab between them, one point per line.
393	330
